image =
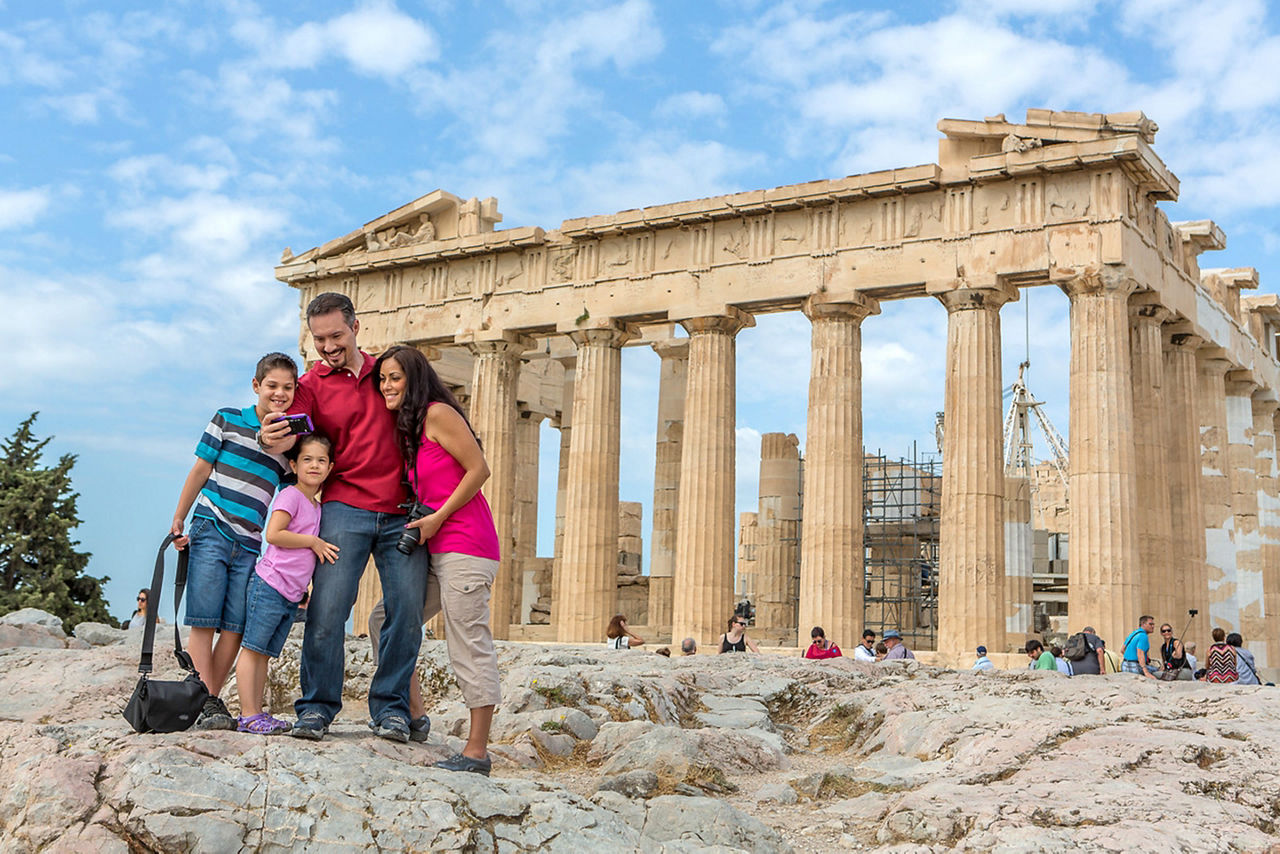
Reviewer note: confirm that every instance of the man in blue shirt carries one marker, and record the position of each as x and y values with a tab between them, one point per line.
1137	648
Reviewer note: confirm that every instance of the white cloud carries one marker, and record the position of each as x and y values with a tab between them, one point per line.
20	64
691	105
376	39
20	208
513	110
379	39
209	226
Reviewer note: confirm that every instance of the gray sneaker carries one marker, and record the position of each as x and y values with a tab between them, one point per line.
393	728
215	715
310	725
462	762
420	729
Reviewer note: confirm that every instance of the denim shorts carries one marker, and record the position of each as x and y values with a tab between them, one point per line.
269	619
217	577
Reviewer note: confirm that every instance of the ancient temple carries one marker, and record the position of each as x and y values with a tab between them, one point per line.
1173	380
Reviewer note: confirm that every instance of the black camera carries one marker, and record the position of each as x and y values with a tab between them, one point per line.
1193	612
409	539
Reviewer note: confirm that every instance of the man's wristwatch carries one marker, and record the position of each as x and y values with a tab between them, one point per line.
257	437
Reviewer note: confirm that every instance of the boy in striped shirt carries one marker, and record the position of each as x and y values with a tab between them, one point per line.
231	485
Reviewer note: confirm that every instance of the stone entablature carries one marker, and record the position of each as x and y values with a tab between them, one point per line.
1080	196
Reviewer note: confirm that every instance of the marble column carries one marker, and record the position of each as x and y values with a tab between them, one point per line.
588	579
493	416
672	377
1264	445
832	567
1155	534
1186	507
1018	555
1244	504
1104	571
562	476
778	521
1215	490
971	572
703	581
528	433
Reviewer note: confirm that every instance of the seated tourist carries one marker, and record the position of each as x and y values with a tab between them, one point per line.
821	647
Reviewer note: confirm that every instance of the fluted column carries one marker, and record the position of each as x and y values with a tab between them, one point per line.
1104	572
1244	504
1186	508
493	416
832	525
562	477
1018	556
528	433
703	581
778	521
588	583
673	376
1264	445
1215	490
971	573
1155	534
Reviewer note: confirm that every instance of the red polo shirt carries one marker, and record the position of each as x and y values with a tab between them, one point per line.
368	471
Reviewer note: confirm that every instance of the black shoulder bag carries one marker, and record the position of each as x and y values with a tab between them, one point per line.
159	706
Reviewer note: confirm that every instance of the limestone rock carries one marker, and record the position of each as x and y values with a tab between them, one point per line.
640	783
34	617
778	792
892	758
99	634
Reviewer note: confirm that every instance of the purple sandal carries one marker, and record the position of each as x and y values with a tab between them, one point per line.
263	724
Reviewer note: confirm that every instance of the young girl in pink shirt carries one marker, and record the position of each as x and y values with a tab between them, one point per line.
280	579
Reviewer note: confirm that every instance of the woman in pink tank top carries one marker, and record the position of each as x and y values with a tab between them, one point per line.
446	468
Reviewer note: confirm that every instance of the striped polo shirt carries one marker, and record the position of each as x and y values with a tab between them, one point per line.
244	477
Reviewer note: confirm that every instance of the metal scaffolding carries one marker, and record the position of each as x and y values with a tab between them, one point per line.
902	502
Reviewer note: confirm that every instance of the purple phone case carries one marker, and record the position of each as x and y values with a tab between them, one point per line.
295	420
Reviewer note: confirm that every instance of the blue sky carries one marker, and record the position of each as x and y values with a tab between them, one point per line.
156	159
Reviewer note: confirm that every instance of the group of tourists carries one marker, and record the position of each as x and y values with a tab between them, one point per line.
386	466
1084	653
890	647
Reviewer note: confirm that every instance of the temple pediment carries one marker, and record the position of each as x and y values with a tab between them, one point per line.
437	217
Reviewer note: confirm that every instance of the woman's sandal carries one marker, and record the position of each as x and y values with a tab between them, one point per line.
263	724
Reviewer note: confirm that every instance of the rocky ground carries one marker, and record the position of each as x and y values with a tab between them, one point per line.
603	750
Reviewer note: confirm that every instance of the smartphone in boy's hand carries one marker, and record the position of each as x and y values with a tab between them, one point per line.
299	425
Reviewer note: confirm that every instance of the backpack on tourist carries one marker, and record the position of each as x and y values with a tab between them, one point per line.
1077	647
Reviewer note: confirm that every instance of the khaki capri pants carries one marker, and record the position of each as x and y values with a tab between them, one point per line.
460	585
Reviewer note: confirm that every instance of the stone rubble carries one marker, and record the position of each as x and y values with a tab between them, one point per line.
596	750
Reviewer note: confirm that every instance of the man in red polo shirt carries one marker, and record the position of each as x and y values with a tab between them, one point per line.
361	515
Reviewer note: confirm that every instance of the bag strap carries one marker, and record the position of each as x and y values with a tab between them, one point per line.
1125	649
153	598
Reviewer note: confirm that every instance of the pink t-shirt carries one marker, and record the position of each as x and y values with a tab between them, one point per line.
469	530
815	651
289	571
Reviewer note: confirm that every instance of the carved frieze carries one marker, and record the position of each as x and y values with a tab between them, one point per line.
419	230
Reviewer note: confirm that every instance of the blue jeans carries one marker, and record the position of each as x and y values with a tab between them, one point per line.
268	619
217	578
359	534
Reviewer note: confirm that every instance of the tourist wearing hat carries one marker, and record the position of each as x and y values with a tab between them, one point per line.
983	663
897	649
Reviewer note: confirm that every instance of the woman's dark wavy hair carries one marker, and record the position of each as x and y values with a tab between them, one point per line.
423	387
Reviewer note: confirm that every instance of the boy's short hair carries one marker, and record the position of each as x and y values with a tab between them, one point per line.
275	361
327	302
317	436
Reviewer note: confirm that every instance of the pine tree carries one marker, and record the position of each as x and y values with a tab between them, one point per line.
39	564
